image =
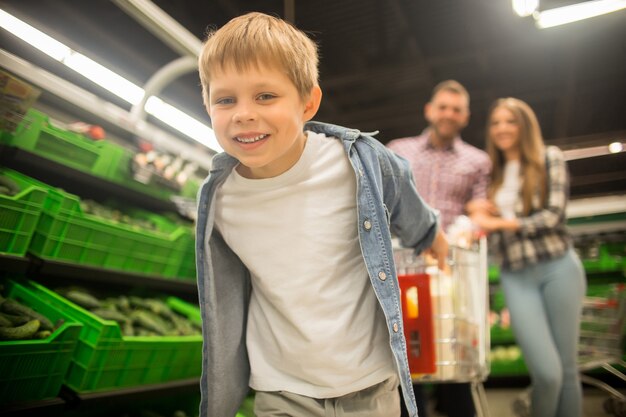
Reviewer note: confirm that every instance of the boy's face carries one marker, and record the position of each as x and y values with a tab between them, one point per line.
258	117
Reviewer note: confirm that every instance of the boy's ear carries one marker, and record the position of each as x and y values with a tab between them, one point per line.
312	104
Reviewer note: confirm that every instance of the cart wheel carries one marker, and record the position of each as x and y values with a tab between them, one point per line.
619	408
521	407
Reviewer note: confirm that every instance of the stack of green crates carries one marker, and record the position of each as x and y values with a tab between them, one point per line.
33	370
105	360
19	213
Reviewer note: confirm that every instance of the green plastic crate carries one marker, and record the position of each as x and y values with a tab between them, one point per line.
35	134
65	233
20	213
105	360
33	370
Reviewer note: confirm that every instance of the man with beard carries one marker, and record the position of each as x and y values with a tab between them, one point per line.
448	174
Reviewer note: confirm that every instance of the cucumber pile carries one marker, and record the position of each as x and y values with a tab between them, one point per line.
137	316
8	186
20	322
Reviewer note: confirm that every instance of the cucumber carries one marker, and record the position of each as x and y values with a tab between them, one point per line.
14	320
145	320
4	322
11	187
83	299
109	314
13	307
42	334
25	331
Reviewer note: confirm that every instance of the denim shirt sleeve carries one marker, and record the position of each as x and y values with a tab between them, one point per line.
411	219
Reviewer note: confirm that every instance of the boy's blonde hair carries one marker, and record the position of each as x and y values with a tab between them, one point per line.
257	39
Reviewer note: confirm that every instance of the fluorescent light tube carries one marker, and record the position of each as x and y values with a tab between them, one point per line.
110	80
104	77
576	12
182	122
525	8
34	37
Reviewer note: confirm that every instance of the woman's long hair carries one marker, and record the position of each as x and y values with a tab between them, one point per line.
532	153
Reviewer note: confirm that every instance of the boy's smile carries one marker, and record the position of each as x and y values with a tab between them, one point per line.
258	118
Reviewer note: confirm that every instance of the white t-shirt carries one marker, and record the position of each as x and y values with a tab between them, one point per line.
314	324
507	195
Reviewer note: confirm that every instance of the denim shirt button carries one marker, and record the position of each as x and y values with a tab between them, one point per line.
382	275
395	327
367	224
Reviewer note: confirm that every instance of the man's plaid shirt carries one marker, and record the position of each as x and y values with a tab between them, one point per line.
445	178
543	234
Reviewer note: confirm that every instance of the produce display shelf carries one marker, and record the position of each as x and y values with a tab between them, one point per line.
104	360
72	180
35	369
54	269
36	134
70	403
65	232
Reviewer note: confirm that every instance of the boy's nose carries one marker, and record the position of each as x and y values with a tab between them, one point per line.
244	114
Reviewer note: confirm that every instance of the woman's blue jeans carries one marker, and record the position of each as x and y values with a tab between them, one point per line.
545	302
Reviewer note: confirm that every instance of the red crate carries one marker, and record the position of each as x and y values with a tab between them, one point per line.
418	322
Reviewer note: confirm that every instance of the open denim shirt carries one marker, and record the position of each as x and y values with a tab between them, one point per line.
387	202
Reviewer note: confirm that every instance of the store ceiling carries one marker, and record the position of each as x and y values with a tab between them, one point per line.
381	58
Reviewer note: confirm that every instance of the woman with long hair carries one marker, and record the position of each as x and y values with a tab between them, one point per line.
541	275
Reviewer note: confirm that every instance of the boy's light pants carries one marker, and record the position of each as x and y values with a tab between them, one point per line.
380	400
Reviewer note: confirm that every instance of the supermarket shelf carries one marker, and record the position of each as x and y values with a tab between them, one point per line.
14	264
37	268
77	182
71	402
50	268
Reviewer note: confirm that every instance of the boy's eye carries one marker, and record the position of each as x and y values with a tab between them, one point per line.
265	96
225	100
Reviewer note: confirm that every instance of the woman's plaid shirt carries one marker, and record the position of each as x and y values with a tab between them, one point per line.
543	234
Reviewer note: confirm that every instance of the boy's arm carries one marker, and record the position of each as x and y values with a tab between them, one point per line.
439	249
411	219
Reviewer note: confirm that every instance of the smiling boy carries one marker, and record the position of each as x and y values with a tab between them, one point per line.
297	285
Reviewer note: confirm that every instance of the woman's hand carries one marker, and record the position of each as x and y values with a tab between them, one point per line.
481	205
490	223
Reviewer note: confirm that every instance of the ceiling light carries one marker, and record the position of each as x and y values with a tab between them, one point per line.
104	77
576	12
525	8
29	34
181	122
616	147
110	80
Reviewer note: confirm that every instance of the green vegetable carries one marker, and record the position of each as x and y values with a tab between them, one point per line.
42	334
25	331
13	307
9	187
14	320
83	299
147	321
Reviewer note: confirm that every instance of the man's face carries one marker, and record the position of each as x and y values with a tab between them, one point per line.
448	114
258	118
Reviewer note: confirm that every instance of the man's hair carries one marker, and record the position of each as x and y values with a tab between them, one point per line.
256	39
454	87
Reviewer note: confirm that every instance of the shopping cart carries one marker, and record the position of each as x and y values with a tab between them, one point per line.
445	318
600	346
